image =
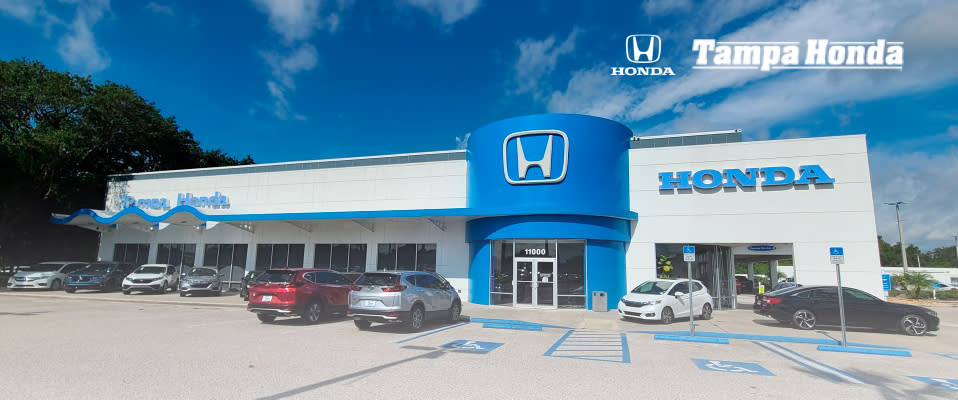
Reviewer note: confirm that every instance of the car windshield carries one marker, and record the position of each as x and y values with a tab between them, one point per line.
377	279
202	272
96	268
652	287
44	267
784	290
151	270
277	276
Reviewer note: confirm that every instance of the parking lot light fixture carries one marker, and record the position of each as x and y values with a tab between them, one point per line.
901	235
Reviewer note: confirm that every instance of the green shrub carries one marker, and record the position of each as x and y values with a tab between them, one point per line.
948	295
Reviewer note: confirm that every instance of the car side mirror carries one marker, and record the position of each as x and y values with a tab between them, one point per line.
679	294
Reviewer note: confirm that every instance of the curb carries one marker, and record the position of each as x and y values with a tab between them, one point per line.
138	301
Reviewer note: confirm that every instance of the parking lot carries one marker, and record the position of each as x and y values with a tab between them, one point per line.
93	345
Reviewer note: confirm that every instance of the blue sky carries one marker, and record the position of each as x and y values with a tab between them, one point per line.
290	80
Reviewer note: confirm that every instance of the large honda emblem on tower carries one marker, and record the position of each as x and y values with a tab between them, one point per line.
538	145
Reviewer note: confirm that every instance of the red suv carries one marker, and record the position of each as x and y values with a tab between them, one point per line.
308	293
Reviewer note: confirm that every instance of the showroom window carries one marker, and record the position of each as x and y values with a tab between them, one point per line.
406	256
181	255
340	257
133	253
279	256
229	259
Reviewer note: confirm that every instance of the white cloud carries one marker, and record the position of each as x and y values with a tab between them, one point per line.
537	60
592	92
448	11
32	12
658	8
296	20
160	9
925	182
78	47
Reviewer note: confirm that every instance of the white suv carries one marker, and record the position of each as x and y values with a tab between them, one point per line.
45	275
152	277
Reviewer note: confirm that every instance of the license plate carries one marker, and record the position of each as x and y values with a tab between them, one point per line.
267	299
369	303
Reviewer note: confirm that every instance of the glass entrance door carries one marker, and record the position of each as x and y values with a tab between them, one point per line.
535	282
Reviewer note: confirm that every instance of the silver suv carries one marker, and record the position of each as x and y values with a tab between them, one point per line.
407	297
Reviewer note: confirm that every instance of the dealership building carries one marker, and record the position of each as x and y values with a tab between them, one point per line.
548	211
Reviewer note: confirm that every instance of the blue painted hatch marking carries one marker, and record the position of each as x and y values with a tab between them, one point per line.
699	339
516	327
949	384
592	345
767	338
734	367
816	366
860	350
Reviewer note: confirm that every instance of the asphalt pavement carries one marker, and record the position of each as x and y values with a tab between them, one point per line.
94	345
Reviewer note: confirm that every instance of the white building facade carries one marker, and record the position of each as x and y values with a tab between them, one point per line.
543	211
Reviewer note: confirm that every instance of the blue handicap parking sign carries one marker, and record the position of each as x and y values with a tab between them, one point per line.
886	281
688	249
950	384
731	366
471	346
836	251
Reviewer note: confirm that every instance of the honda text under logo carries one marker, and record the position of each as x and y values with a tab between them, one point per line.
533	157
643	48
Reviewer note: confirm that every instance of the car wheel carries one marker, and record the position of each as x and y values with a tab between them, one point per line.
71	290
108	286
362	324
804	319
126	292
56	285
454	312
706	311
266	318
667	315
163	287
416	318
314	312
182	294
914	325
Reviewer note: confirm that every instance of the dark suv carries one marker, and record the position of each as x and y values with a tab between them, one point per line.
309	293
100	275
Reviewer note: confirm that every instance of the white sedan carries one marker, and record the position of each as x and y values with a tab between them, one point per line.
665	300
45	275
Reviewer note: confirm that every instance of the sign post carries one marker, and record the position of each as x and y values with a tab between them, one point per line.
837	256
688	253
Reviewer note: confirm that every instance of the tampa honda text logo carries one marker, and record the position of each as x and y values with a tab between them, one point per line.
643	49
818	54
529	143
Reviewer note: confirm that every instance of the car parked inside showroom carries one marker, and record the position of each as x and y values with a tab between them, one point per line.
407	297
44	275
200	280
311	294
100	275
808	307
155	278
665	300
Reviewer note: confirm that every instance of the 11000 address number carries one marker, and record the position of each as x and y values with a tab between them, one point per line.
534	252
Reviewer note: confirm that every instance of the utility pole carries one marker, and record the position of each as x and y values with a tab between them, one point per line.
956	249
901	235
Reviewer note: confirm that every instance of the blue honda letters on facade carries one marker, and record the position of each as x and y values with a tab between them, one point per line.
750	177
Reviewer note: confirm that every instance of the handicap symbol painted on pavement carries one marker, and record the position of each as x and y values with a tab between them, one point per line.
950	384
471	346
953	356
731	366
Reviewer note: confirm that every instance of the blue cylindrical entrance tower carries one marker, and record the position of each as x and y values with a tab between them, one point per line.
555	192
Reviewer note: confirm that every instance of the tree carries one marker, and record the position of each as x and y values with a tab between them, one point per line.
61	135
918	281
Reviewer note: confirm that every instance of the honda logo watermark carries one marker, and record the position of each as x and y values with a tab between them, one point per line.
643	48
536	142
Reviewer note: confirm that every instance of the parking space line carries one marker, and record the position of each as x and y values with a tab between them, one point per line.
808	362
427	333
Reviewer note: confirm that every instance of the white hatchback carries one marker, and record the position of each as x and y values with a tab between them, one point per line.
665	300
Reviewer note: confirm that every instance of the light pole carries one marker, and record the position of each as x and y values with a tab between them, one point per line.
956	248
901	236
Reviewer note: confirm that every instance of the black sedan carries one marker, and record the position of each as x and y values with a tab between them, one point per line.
810	306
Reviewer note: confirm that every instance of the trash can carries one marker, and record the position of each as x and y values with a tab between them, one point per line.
599	301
